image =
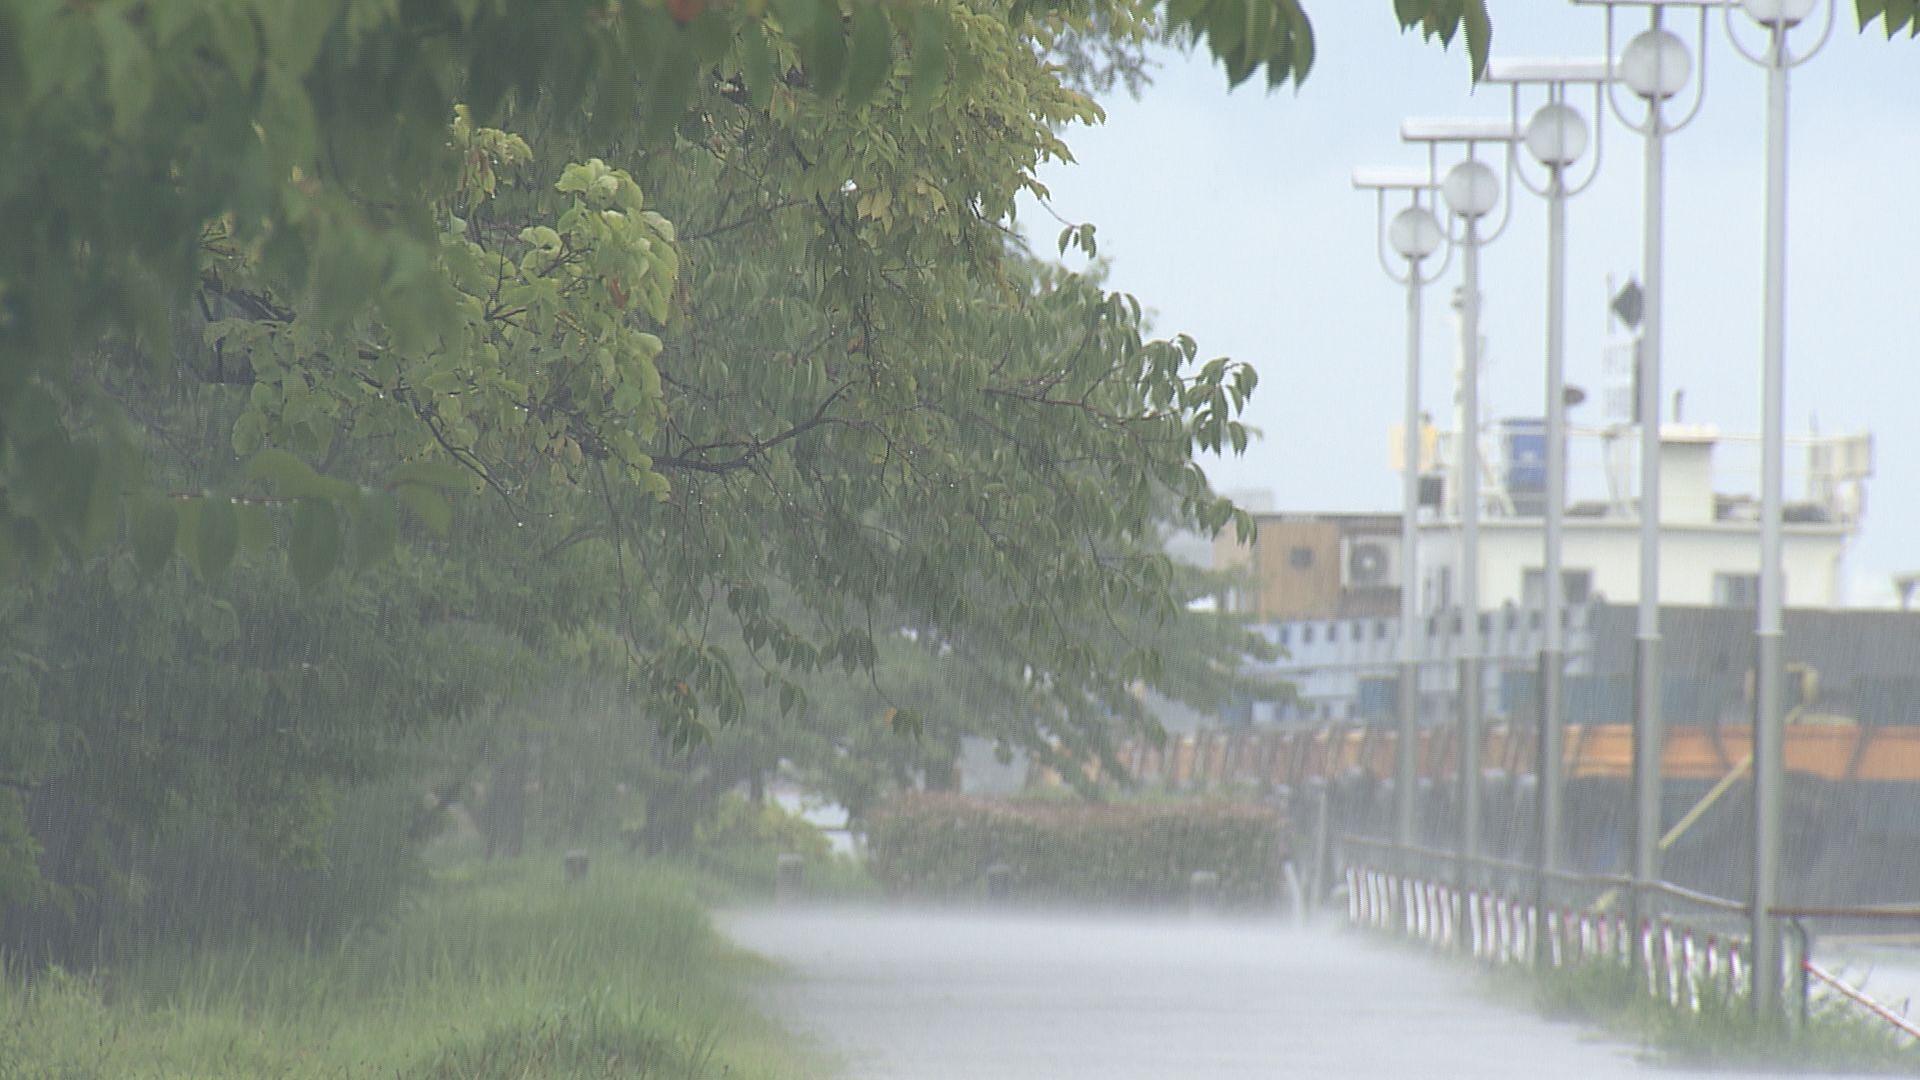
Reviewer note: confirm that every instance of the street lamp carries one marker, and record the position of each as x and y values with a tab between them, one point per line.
1769	735
1471	190
1556	137
1656	67
1414	235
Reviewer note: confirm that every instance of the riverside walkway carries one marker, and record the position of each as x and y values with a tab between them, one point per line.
900	994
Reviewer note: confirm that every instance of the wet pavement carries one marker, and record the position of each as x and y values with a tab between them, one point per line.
917	995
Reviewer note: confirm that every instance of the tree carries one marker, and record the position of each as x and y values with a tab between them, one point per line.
145	143
601	428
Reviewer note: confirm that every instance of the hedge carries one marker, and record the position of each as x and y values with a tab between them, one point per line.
940	847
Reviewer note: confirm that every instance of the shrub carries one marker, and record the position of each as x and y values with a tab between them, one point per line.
204	883
940	846
741	842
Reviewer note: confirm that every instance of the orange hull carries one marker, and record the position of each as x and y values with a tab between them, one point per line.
1829	751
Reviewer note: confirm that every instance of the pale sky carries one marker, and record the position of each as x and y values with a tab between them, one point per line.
1231	215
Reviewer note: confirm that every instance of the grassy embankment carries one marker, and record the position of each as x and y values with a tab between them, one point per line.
1722	1034
498	971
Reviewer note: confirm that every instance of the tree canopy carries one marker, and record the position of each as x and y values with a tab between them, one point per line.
303	146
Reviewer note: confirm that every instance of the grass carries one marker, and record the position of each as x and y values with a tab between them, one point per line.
499	971
1722	1034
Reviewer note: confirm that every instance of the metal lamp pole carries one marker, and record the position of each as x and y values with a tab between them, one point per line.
1655	66
1471	190
1556	137
1769	734
1414	235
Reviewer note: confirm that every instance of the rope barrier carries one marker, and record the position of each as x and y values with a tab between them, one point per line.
1861	999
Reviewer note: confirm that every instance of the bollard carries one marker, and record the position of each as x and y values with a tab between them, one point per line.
999	881
1295	891
1203	890
575	862
789	876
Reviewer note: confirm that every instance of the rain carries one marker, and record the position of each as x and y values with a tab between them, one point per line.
930	539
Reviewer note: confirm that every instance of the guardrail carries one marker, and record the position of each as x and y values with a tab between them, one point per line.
1692	953
1684	965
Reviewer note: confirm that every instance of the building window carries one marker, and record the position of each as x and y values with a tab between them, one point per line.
1306	634
1736	590
1300	558
1576	587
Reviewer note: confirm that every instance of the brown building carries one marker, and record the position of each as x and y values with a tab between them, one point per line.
1315	566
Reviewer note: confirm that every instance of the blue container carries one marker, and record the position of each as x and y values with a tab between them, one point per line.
1525	443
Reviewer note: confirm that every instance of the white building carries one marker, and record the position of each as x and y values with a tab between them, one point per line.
1709	519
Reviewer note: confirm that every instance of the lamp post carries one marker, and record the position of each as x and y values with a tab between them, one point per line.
1471	189
1556	137
1778	17
1656	67
1414	235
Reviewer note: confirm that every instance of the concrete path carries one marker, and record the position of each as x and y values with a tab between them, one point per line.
917	995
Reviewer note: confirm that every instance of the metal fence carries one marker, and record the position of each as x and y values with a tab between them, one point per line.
1691	951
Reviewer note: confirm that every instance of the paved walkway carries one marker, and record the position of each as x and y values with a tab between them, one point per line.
906	995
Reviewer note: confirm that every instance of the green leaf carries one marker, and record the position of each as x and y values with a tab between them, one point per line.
219	536
249	431
296	32
256	527
314	548
216	620
676	64
872	58
824	48
1301	30
234	34
291	135
929	70
376	528
155	524
712	33
1479	36
294	479
427	504
756	59
186	539
129	67
282	469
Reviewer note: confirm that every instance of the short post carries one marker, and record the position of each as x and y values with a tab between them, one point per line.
576	862
789	876
1203	890
999	881
1296	893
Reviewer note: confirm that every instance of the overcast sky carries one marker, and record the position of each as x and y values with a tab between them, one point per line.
1231	215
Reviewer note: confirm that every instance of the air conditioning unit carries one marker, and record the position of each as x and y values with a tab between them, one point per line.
1370	562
